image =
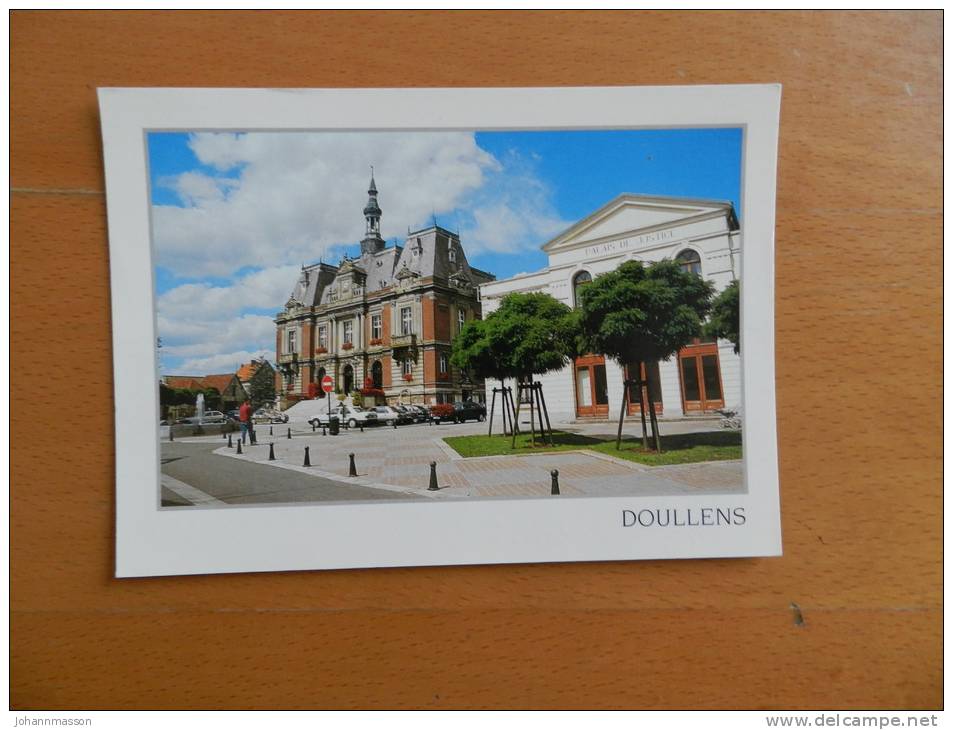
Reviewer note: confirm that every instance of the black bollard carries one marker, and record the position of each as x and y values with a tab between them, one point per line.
362	426
229	441
307	456
223	435
555	475
395	423
314	427
271	452
252	438
433	477
352	472
171	437
289	431
271	431
239	449
324	430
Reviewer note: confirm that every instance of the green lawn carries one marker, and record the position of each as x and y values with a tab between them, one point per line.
678	449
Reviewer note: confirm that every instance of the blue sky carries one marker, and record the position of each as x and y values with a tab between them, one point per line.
236	215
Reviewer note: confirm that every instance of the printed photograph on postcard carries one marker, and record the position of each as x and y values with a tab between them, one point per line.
365	328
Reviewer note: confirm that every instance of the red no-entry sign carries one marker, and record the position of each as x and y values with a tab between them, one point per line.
327	383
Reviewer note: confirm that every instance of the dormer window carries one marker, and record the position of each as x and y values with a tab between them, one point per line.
452	254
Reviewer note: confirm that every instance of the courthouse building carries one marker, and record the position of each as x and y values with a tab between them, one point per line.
704	236
382	322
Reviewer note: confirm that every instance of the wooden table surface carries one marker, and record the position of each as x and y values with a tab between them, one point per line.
858	316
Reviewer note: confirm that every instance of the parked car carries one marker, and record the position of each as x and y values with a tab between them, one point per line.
414	414
468	410
232	415
389	416
353	416
441	412
209	418
458	412
423	414
269	415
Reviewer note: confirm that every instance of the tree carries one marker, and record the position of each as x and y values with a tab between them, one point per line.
637	314
529	334
261	386
213	399
725	321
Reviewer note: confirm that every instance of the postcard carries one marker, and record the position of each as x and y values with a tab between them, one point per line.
392	327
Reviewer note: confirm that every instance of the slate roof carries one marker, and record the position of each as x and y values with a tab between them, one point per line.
432	252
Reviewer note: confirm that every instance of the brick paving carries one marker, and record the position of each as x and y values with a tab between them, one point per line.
399	459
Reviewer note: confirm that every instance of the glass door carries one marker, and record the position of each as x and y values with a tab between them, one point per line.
592	392
650	372
700	373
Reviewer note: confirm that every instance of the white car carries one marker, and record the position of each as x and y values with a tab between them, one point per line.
209	417
267	415
388	415
353	416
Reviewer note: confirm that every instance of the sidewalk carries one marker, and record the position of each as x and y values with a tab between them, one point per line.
399	459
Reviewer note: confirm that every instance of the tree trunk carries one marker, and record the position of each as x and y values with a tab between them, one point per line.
655	434
490	419
625	400
532	415
516	414
508	411
545	412
645	432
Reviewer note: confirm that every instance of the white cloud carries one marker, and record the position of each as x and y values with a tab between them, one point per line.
299	195
265	289
189	341
223	363
513	212
278	200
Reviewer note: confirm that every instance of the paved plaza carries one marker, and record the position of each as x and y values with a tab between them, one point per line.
394	464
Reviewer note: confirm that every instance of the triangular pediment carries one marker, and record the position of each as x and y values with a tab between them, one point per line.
632	214
405	273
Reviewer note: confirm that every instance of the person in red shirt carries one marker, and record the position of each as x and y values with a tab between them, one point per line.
244	420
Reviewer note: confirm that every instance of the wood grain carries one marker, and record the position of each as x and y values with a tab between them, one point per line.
858	331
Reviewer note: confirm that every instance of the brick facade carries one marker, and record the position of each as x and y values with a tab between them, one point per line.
409	295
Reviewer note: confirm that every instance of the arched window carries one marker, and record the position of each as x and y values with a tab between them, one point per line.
377	374
690	261
348	379
579	281
321	373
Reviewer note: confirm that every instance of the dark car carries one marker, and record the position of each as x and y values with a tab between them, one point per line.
469	410
458	412
441	412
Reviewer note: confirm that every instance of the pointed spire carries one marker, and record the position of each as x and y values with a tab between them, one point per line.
372	242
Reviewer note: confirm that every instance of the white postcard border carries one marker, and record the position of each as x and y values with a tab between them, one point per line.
150	541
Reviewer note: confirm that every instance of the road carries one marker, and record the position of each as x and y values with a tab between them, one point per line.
240	482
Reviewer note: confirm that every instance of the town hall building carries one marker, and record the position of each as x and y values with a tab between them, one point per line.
704	237
382	322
